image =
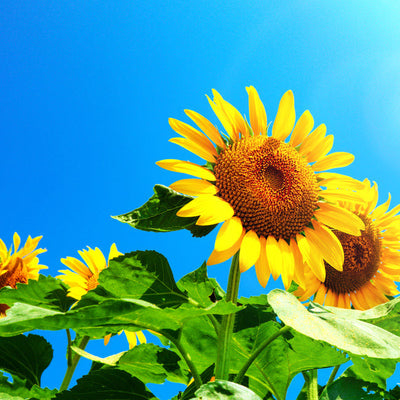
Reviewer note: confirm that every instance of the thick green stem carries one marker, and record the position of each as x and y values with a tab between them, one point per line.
185	355
333	374
257	352
73	363
311	378
226	328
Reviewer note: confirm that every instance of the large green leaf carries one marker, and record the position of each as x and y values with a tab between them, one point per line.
142	275
353	389
224	390
158	214
152	364
330	325
47	292
25	356
107	383
199	287
371	369
283	358
18	390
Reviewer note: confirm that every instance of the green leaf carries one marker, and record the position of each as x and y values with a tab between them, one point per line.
144	275
283	358
225	390
371	370
158	214
351	389
17	390
110	360
107	383
330	325
152	364
47	292
25	356
199	287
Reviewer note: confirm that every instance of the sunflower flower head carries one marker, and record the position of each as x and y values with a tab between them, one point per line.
84	277
270	192
371	260
19	266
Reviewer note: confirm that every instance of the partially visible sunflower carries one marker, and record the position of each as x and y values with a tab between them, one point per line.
267	192
83	278
20	266
371	261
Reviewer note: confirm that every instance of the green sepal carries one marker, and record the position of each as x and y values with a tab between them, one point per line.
158	214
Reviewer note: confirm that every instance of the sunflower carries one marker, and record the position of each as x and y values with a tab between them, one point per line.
371	261
20	266
267	192
83	278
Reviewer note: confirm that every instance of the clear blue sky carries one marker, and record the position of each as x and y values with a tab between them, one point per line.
87	89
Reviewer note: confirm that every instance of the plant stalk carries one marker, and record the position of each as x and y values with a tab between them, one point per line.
312	384
73	363
333	374
226	328
257	352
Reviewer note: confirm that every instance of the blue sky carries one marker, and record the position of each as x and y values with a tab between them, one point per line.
87	89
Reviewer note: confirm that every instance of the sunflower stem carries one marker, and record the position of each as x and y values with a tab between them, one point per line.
73	363
311	378
333	374
257	352
226	328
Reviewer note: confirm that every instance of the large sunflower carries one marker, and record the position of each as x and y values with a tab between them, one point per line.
265	190
20	266
371	261
83	278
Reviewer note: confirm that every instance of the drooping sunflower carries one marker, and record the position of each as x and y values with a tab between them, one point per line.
20	266
83	278
267	192
371	260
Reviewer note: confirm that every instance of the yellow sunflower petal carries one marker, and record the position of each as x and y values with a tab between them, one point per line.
320	295
303	127
207	127
76	292
339	218
230	232
193	135
313	284
131	338
141	337
262	269
194	187
186	167
258	116
333	160
333	180
274	257
78	266
107	339
194	148
314	139
17	241
285	117
249	251
298	264
113	253
287	271
358	301
381	210
218	257
331	298
324	148
312	257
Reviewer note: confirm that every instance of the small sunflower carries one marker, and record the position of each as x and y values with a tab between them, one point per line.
267	192
371	260
83	278
20	266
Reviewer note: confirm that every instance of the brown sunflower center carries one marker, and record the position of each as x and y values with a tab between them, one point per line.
16	273
362	256
92	282
269	185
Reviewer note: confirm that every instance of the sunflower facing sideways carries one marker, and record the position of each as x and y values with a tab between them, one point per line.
371	261
83	278
20	266
267	192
